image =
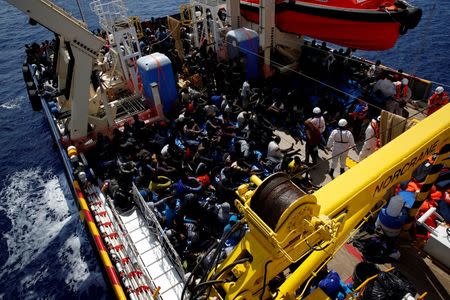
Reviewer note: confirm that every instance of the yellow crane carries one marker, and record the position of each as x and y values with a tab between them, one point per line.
286	225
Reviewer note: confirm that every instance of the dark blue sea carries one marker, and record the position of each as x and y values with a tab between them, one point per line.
44	251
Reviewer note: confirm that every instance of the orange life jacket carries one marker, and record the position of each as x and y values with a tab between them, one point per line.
436	101
401	91
414	186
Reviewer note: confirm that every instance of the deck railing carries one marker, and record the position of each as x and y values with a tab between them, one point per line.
156	229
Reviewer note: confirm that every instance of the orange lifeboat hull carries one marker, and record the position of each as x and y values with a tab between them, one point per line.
342	22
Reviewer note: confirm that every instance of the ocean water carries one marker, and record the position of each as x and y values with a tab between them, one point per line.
44	250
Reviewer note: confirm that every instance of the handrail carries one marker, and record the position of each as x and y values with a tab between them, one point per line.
128	242
159	233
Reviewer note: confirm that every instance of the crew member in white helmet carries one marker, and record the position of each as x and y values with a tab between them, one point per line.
401	98
340	141
317	120
371	138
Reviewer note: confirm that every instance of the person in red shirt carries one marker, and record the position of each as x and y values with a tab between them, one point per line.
437	100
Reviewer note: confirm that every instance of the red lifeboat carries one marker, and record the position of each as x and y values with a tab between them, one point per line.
359	24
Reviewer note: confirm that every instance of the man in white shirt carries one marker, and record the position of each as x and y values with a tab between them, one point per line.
385	86
274	153
317	120
242	118
245	94
370	141
340	141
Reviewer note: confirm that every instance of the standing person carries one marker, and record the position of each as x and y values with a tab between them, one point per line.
371	138
245	94
437	100
402	96
317	120
340	141
312	142
374	71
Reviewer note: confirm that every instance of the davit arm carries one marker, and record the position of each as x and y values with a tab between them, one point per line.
83	48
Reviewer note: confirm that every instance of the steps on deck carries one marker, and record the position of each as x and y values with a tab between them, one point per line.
155	259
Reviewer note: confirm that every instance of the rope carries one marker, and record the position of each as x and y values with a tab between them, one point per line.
310	78
359	60
338	90
356	144
329	86
168	35
81	11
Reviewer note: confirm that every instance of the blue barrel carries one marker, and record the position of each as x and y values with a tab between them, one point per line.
157	67
244	41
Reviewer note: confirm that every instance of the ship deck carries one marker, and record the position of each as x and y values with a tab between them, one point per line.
419	268
424	272
149	239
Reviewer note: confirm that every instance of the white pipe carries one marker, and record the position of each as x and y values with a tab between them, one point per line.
426	215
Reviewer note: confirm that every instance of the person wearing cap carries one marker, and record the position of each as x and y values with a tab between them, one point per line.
384	87
317	120
340	142
372	136
236	236
402	96
313	139
437	100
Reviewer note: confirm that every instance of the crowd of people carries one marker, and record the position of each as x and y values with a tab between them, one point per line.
223	130
217	136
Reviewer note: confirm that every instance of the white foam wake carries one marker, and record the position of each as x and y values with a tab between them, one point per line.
70	253
13	103
46	243
35	204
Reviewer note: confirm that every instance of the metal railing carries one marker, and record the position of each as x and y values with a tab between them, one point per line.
156	229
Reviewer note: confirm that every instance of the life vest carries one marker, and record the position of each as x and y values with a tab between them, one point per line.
409	186
436	101
401	91
312	133
204	179
436	196
190	107
447	197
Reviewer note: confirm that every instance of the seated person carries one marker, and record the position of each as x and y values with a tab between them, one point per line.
191	130
274	153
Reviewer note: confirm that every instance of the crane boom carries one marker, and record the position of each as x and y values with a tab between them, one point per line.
62	23
286	226
77	53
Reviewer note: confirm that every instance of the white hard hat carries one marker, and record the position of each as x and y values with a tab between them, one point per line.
439	89
379	118
342	123
316	110
405	81
82	176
